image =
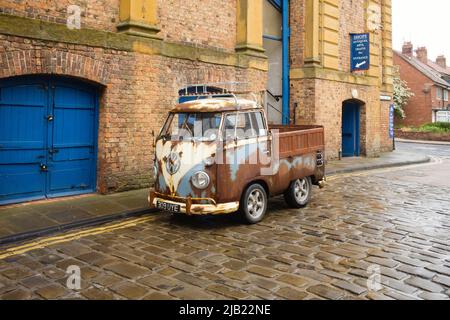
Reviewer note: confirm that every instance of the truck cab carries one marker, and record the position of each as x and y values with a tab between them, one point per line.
219	156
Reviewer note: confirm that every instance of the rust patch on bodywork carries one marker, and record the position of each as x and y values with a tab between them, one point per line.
215	105
240	161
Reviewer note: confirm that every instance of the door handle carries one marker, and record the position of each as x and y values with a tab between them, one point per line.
50	117
43	167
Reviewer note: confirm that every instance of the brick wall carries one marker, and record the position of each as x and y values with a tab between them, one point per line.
425	136
297	40
95	14
418	111
352	19
136	89
318	99
180	21
320	102
206	24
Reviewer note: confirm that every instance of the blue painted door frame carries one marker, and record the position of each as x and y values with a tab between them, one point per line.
350	129
48	138
286	66
283	6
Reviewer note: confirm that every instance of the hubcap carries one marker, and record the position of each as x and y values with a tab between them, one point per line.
301	190
256	203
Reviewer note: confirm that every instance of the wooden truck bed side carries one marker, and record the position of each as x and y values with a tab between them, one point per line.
298	140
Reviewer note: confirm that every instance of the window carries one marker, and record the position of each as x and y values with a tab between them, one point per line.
445	95
229	127
244	126
192	126
258	124
443	116
244	129
439	93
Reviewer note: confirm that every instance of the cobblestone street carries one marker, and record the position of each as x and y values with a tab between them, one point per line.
391	225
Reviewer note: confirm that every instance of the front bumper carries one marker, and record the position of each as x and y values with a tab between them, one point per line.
192	206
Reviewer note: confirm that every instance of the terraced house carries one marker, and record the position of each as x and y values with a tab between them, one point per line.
83	84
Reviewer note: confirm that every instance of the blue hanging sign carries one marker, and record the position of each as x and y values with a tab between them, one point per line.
360	51
391	121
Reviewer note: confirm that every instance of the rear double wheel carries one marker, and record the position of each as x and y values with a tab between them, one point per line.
299	192
253	204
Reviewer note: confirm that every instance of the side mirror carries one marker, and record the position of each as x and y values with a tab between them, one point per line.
154	139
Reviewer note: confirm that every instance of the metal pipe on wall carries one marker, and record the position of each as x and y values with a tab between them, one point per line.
286	67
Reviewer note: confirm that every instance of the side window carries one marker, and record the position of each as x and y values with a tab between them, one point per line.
258	124
244	129
229	127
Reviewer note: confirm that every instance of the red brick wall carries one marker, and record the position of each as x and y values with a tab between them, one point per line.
136	89
426	136
320	101
95	14
211	24
352	19
419	108
207	24
297	40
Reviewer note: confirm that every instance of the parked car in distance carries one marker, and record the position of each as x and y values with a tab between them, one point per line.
219	156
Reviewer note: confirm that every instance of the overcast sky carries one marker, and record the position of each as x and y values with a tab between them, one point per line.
425	23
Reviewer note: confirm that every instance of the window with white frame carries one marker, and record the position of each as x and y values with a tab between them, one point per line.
439	93
443	116
445	95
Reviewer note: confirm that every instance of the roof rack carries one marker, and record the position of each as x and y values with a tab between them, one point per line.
217	90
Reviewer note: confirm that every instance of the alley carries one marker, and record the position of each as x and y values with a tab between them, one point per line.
383	234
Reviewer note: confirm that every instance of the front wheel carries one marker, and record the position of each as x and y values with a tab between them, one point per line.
253	205
299	193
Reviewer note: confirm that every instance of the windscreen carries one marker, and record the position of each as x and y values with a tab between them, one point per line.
192	126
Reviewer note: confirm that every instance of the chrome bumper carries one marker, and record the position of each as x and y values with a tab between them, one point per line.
189	206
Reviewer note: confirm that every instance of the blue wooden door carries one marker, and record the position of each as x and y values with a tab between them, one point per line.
350	130
23	140
71	136
47	138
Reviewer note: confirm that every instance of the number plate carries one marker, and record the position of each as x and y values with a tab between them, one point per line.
168	206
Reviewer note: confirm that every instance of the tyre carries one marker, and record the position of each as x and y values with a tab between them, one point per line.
253	204
299	192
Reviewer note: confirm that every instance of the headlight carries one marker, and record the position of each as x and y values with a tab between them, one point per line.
200	180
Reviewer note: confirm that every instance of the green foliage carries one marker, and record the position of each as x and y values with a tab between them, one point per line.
438	127
402	94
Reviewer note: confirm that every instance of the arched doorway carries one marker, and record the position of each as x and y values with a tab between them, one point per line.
48	138
351	135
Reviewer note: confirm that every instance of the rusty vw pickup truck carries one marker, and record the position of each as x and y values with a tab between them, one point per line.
219	156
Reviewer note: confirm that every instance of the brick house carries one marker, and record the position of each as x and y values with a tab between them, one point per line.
84	84
429	81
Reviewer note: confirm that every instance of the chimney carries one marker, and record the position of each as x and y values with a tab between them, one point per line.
442	61
422	54
407	49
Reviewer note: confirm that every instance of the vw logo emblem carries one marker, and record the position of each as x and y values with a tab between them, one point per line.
173	163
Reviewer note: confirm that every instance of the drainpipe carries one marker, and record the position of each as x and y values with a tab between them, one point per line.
286	90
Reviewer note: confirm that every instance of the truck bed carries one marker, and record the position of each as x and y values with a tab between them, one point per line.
297	140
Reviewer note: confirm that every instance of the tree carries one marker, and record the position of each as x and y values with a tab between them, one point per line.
402	94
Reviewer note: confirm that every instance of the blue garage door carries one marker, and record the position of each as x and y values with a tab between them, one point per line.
47	138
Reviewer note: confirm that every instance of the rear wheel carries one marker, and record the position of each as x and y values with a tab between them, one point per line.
299	192
253	204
